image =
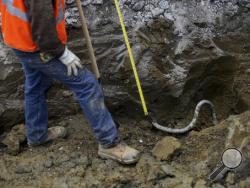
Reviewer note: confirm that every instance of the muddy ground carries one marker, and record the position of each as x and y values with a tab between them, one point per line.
73	161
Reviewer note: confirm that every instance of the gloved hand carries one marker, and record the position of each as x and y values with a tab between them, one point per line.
71	61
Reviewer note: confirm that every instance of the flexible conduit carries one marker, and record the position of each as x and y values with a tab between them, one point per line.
192	124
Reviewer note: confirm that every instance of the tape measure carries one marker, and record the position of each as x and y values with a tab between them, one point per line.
131	57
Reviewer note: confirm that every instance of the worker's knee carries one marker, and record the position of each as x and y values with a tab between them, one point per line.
88	88
97	106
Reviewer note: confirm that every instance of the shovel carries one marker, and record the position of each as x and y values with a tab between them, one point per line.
88	41
90	46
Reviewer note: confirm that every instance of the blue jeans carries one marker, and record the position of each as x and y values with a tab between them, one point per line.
85	86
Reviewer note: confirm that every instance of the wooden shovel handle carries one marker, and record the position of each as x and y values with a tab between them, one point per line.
88	40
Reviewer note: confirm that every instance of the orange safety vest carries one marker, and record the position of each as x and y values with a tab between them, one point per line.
16	28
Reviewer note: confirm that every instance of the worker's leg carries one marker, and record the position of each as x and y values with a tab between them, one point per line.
87	91
89	94
36	112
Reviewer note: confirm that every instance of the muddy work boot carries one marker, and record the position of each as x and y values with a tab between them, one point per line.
121	153
53	133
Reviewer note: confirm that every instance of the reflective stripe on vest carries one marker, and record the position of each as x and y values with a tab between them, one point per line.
23	16
15	11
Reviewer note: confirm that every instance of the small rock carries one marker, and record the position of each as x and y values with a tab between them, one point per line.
156	173
74	182
150	168
169	170
59	160
245	148
68	165
22	169
48	163
187	182
169	16
85	2
78	171
97	2
248	71
63	123
180	181
14	138
239	126
200	184
75	154
245	183
165	148
163	4
83	161
60	183
69	2
230	178
157	11
149	7
138	6
4	173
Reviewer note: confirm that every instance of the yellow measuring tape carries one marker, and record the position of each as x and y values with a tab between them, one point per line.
131	56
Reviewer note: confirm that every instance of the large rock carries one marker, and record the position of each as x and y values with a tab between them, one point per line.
165	148
185	51
15	138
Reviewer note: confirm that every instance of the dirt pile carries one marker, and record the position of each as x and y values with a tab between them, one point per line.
73	162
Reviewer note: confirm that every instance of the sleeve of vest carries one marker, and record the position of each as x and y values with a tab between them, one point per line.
43	26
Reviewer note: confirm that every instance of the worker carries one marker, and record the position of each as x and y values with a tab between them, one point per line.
35	30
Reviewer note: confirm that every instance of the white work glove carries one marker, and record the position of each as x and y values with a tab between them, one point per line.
71	61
